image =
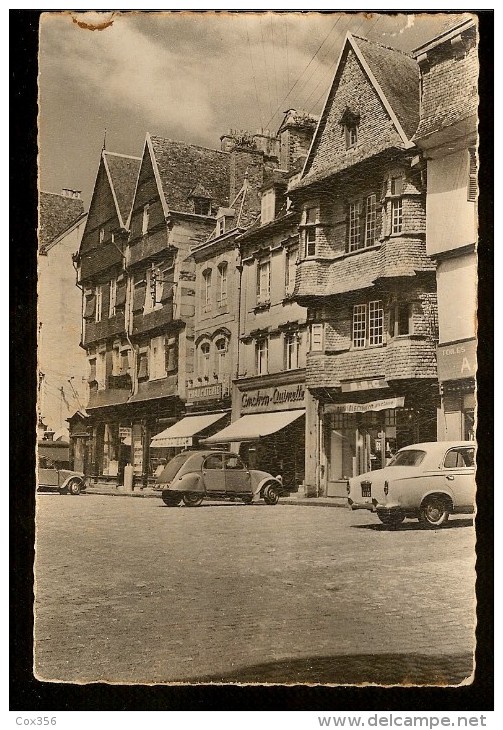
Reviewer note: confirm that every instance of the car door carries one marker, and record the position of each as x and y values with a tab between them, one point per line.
213	474
237	476
47	472
459	473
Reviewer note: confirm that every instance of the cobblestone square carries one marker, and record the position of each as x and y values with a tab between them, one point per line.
130	591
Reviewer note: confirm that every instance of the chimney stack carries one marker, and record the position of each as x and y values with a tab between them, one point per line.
69	193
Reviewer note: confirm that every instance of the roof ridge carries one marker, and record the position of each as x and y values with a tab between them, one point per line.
120	154
60	195
382	45
188	144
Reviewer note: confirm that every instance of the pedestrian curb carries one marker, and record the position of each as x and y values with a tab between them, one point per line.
146	494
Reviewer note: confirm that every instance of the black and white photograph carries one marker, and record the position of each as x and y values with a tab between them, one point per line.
257	348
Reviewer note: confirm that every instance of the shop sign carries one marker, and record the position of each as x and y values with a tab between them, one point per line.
364	385
125	432
273	399
172	442
375	405
457	361
204	392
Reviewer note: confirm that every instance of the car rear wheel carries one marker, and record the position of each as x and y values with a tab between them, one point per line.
271	494
73	486
171	499
392	520
192	499
434	512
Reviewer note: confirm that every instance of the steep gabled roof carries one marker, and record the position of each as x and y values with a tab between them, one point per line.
122	172
398	76
394	77
57	213
184	167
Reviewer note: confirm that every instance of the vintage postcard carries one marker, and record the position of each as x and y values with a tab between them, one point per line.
257	309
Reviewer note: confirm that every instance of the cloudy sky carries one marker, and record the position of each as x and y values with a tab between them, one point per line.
189	76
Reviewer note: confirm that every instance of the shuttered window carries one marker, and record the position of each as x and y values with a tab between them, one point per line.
472	176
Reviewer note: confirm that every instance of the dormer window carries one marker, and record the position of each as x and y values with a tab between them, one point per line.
102	235
350	121
202	206
144	222
268	205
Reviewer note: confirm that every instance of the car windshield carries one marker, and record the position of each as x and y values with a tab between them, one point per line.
174	466
408	457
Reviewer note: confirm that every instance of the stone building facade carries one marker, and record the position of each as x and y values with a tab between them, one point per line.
363	274
447	134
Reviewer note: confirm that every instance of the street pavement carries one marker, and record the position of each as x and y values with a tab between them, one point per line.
131	591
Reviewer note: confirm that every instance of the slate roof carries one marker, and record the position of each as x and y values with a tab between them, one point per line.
56	214
123	172
397	74
183	167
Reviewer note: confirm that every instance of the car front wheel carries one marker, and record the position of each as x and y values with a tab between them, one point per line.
391	519
171	499
434	512
73	486
192	499
271	494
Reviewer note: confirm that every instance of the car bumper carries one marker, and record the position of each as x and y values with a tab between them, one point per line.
360	505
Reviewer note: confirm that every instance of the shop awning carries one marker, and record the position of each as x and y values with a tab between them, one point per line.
181	433
254	426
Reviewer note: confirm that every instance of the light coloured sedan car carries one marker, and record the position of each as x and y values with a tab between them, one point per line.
54	473
193	475
426	481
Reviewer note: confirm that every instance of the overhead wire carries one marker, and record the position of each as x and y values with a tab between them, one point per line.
304	70
273	53
265	66
259	104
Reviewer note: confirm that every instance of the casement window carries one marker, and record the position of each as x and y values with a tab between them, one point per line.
396	205
263	281
292	351
262	356
400	319
309	232
222	283
205	360
92	370
351	134
221	356
124	370
354	234
368	324
370	219
102	234
202	206
145	218
116	359
207	291
316	343
112	298
291	257
472	176
171	348
101	370
267	206
143	364
99	303
157	358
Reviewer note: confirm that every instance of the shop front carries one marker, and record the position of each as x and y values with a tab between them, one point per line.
361	436
268	429
457	366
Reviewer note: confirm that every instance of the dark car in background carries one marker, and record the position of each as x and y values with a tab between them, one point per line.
193	476
53	472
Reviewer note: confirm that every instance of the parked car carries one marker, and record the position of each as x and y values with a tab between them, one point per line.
193	475
426	481
54	473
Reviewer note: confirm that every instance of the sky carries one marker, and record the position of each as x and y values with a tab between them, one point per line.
189	76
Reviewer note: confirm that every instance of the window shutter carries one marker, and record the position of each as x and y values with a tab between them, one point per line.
472	176
139	295
120	299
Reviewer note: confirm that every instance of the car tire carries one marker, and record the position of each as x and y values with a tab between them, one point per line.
271	494
247	499
73	487
392	520
434	512
193	499
171	499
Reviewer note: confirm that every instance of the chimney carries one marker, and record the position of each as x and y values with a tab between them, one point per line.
296	133
69	193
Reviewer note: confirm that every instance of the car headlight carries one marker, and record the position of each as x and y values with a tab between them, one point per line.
386	488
